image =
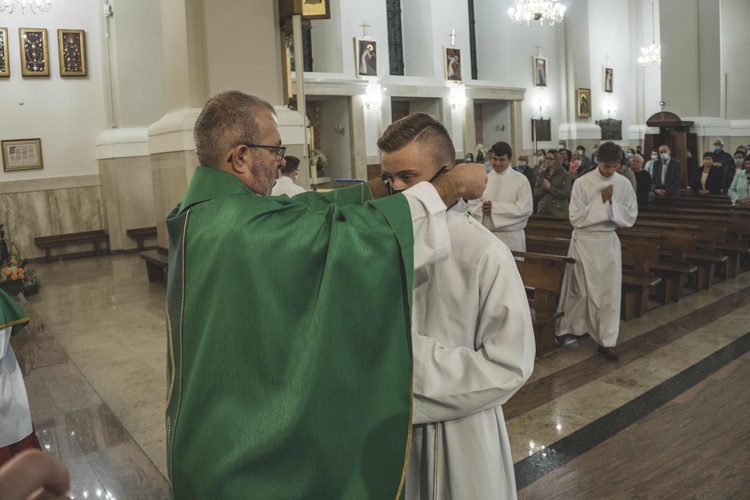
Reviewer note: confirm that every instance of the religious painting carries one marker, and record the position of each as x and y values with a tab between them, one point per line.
367	56
34	52
541	129
72	47
4	64
608	80
540	71
453	64
22	154
584	103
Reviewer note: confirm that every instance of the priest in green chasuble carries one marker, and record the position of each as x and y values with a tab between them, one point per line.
289	357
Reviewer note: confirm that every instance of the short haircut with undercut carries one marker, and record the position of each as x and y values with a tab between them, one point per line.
421	128
228	119
292	164
609	152
502	149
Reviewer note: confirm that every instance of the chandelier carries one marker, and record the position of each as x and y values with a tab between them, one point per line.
36	6
651	55
537	10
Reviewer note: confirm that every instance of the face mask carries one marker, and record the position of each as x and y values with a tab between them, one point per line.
560	147
580	152
664	157
522	163
540	158
629	155
716	148
654	157
738	161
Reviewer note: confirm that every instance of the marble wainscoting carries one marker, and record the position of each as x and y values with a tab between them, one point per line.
171	173
36	208
128	194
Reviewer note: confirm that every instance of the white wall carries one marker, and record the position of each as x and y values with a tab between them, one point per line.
735	20
66	113
337	146
418	32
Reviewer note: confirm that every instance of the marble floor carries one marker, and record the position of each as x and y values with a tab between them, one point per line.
667	420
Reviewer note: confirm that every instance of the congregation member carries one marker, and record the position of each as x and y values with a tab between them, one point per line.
552	190
472	335
739	192
601	202
287	175
707	180
721	158
587	164
562	146
540	162
729	174
16	430
626	171
666	177
267	403
507	202
642	181
523	167
651	162
575	165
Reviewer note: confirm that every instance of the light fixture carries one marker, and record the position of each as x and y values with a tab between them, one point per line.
458	96
527	11
372	95
651	55
610	107
36	6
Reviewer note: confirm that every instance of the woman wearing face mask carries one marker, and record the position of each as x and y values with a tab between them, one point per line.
539	161
650	164
730	173
739	192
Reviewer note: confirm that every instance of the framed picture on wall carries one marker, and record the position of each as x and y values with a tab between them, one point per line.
367	56
540	71
34	52
22	154
453	64
583	99
72	47
541	129
4	64
608	79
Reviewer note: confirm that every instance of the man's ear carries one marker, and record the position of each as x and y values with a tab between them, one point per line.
240	159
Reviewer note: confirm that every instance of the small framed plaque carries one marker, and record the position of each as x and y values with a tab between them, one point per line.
22	154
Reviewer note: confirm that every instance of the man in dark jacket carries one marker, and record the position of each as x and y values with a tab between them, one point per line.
667	174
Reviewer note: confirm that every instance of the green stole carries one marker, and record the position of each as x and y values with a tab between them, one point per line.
290	369
11	315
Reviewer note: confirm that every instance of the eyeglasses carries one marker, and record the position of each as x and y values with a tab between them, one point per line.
277	151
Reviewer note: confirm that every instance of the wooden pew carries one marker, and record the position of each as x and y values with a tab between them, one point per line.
543	275
157	262
140	234
637	278
47	243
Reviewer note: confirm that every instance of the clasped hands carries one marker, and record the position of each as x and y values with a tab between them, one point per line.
607	194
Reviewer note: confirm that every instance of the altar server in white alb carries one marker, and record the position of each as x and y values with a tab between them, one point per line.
507	203
472	337
601	202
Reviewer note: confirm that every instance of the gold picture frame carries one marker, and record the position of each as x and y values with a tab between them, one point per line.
71	45
539	69
608	79
22	154
316	9
583	101
4	62
34	51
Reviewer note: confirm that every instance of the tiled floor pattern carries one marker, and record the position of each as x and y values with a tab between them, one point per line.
94	362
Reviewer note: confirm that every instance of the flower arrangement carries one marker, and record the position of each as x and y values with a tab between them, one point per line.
320	161
480	153
15	278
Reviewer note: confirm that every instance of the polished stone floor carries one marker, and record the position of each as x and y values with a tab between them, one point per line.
668	420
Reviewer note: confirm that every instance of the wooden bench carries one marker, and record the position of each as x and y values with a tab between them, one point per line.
157	262
543	275
637	278
140	234
47	243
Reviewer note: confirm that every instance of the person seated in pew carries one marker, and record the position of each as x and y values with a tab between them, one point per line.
707	180
642	181
667	174
626	171
729	173
552	191
651	162
739	191
472	335
602	201
507	202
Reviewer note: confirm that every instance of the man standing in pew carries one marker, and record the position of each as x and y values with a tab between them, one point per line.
472	335
507	202
601	202
667	174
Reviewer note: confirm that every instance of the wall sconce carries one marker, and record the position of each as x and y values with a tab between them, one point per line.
372	95
458	96
339	128
610	107
542	104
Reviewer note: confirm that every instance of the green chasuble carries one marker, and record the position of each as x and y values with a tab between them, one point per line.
11	315
289	366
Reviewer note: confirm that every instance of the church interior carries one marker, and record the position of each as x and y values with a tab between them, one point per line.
112	152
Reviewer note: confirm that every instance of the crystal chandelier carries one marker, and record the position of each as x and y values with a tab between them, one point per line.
36	6
651	55
537	10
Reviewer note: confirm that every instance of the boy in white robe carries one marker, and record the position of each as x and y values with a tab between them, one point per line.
507	202
602	201
472	337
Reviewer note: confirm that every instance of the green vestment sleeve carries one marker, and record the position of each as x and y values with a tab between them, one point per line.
11	315
289	370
